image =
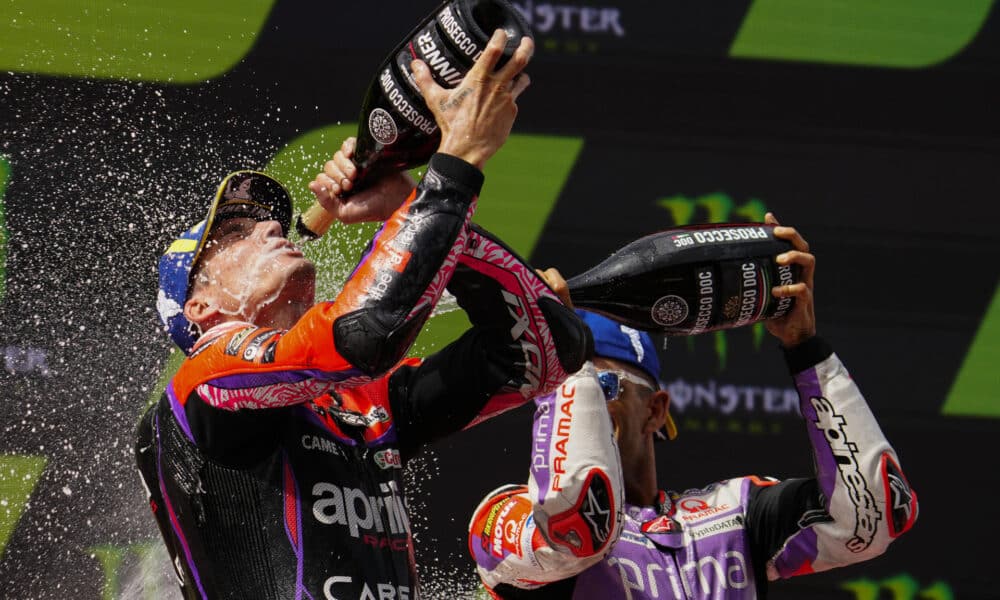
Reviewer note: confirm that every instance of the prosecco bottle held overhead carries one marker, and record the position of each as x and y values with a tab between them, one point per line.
396	130
690	280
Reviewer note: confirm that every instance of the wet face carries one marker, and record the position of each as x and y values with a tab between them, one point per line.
249	271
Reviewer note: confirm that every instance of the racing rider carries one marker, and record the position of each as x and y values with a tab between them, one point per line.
273	460
558	537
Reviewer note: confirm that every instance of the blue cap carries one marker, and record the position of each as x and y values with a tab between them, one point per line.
620	342
241	194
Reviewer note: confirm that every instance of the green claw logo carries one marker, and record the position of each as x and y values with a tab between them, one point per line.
899	587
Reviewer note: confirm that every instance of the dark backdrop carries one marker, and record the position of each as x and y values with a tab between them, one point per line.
890	170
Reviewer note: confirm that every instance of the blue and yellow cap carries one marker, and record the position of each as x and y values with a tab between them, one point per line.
241	194
620	342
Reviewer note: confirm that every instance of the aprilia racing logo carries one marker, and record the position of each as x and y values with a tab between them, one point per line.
359	512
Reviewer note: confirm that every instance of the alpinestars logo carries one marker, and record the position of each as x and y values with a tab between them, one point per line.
598	518
902	499
596	510
845	451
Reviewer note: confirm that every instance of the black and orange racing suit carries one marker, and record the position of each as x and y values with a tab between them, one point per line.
273	461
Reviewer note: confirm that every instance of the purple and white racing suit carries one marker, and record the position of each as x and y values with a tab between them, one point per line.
568	534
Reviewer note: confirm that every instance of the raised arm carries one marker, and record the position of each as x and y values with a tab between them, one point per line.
859	500
374	320
523	343
570	513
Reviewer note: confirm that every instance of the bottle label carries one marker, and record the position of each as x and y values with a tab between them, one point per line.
684	239
785	277
447	68
404	105
705	310
382	127
459	37
669	310
752	295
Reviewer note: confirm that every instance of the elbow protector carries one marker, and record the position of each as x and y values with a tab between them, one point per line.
576	471
499	289
406	268
362	339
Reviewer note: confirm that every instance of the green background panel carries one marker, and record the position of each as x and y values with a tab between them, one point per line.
4	176
178	41
522	185
976	391
18	477
887	33
173	363
296	165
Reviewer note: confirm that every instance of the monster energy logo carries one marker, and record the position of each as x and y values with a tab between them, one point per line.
716	207
899	587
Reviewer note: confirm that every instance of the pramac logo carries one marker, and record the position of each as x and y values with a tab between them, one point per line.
693	505
696	508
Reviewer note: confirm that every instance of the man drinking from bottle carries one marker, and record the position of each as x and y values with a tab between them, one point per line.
273	460
593	523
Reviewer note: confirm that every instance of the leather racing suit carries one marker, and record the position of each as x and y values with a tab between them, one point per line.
273	461
726	540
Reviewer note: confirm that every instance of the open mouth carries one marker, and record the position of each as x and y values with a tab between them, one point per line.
287	247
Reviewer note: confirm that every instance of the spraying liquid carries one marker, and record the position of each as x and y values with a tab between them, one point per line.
103	176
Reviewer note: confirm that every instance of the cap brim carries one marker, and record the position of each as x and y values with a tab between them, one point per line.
251	194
